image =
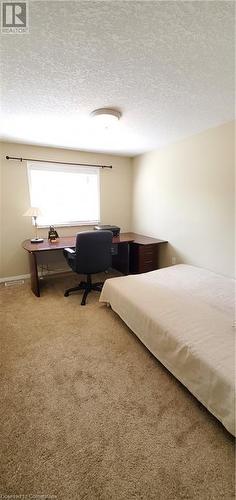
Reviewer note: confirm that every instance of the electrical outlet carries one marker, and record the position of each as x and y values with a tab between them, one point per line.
173	260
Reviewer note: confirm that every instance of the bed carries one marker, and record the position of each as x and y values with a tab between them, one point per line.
185	316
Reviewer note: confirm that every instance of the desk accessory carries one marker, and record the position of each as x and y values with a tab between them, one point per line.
52	234
34	212
114	229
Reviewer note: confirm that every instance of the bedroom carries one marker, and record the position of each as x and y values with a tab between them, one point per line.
87	410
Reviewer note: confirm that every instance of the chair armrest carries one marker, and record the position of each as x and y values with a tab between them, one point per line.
69	250
70	256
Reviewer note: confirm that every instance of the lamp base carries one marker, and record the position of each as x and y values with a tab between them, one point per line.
37	240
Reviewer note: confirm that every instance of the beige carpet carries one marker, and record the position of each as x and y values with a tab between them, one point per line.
88	413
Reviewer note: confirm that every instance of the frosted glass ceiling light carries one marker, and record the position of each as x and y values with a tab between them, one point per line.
105	117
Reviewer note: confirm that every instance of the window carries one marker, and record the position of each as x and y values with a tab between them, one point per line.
66	194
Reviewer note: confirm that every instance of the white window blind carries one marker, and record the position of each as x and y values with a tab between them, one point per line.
66	194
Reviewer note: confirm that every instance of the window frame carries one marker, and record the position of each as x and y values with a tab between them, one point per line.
64	166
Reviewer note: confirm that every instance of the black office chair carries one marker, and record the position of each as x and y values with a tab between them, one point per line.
92	255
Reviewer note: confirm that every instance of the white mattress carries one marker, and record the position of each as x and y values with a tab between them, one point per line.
185	316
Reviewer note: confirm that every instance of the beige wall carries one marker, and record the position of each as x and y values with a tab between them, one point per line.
115	200
184	193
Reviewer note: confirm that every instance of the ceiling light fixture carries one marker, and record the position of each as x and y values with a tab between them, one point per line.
106	117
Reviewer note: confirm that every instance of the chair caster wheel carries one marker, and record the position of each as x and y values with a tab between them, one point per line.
66	294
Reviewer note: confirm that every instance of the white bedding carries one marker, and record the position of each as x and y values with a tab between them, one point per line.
185	317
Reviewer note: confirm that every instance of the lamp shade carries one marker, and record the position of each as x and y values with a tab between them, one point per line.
33	212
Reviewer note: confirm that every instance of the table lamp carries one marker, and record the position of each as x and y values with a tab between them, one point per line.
34	212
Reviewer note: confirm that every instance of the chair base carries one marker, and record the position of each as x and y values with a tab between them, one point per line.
87	286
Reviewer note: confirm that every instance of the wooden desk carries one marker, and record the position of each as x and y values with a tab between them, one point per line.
135	254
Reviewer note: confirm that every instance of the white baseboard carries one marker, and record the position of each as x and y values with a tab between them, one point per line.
27	276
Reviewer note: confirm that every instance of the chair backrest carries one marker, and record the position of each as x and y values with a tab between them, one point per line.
93	251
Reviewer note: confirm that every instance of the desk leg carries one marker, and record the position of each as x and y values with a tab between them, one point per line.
34	274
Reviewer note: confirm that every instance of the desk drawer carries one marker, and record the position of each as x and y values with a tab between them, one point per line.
143	258
146	267
147	252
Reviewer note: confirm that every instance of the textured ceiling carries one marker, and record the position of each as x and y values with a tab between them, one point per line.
167	65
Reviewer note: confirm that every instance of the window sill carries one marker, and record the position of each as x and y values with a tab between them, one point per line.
69	224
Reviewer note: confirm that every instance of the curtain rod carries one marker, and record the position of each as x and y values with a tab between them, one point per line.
61	162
